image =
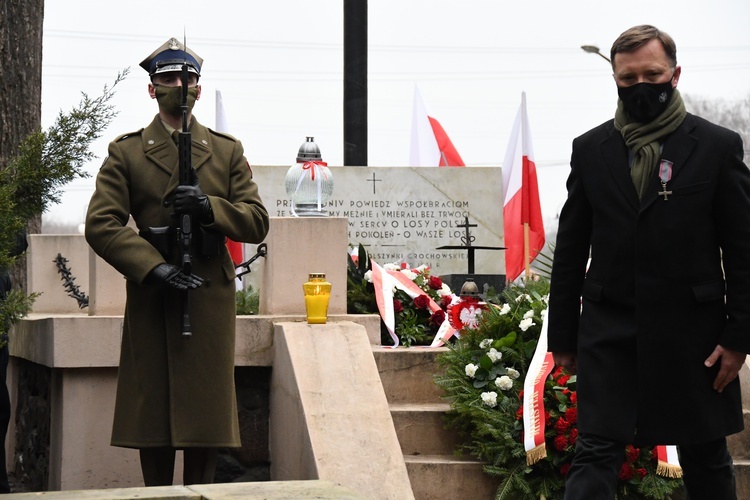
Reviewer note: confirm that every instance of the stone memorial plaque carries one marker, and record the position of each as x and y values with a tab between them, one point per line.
404	214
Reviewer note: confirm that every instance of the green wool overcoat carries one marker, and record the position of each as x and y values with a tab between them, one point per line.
174	390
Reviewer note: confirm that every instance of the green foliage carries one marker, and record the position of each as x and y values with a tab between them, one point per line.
30	183
247	301
360	294
487	408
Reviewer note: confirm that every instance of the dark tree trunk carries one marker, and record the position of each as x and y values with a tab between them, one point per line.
20	84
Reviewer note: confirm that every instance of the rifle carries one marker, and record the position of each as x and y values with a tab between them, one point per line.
185	220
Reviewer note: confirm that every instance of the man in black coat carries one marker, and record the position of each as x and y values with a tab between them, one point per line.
657	323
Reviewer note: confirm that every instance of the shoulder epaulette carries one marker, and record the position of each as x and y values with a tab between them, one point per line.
223	134
128	134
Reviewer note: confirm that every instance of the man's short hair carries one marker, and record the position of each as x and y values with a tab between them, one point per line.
637	36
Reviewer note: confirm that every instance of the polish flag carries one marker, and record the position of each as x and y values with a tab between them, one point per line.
234	247
430	145
522	212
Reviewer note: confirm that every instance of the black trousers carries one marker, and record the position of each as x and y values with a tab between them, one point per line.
707	470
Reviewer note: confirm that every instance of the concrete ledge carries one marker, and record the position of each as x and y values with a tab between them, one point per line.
261	490
82	341
329	414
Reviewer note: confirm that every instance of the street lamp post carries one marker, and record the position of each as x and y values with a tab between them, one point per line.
593	49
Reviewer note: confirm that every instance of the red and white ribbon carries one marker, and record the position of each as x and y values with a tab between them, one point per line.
385	281
533	399
668	465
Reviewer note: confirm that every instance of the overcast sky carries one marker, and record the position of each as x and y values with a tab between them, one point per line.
279	67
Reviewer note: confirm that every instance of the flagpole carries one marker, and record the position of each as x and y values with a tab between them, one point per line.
526	251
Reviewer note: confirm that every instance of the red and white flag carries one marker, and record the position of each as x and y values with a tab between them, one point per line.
235	248
522	212
430	145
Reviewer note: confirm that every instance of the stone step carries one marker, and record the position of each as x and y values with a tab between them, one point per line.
742	475
421	430
739	444
446	477
408	375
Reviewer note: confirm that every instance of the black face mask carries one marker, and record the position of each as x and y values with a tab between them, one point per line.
645	101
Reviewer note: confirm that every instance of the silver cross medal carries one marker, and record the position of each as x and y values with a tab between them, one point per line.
665	174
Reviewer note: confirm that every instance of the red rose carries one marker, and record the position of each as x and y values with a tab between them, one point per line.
626	472
632	453
397	306
447	299
437	317
641	473
564	468
574	398
562	425
560	442
435	283
422	301
573	436
563	380
519	413
571	415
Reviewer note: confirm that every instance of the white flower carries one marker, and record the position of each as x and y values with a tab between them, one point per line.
409	274
522	297
391	267
471	369
514	374
444	290
485	343
504	383
490	399
505	309
368	276
495	355
525	324
528	314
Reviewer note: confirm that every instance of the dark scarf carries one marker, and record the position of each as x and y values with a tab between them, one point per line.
644	139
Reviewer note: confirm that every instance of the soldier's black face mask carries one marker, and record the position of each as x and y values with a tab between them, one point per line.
645	101
170	98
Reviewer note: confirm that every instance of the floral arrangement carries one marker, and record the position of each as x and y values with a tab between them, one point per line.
483	379
416	324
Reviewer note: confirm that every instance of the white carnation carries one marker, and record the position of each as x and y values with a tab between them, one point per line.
504	383
525	324
528	314
409	274
512	373
490	399
505	309
368	276
471	370
494	355
485	343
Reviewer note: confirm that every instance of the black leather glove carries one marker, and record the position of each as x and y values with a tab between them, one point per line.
173	276
190	199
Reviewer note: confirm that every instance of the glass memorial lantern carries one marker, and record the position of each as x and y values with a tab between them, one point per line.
309	182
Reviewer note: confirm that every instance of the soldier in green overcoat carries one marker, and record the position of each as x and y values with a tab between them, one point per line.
175	391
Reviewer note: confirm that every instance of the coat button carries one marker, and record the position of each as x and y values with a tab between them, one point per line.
150	141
